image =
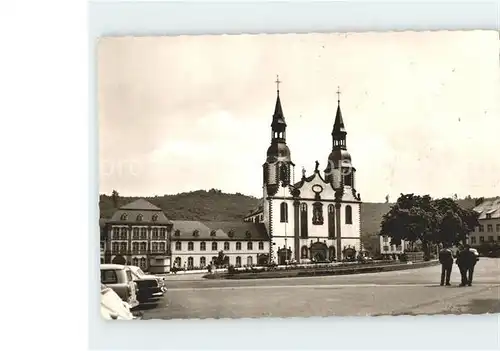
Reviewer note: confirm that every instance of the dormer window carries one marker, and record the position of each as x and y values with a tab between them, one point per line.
196	232
124	217
155	217
177	232
248	234
139	217
488	215
212	233
231	233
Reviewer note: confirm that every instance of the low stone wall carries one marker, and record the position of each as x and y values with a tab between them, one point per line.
354	269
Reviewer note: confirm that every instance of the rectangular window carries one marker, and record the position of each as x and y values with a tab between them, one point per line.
498	228
488	215
472	239
481	228
498	238
102	245
386	248
490	238
490	228
385	239
108	277
481	239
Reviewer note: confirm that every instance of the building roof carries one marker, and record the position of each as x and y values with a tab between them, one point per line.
140	205
211	230
489	207
256	210
103	222
139	211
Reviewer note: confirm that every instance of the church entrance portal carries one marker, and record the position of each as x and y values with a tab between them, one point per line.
319	252
284	255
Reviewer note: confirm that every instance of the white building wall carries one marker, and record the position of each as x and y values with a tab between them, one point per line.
350	233
482	235
232	253
391	249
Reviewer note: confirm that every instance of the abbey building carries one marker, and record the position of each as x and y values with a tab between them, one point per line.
317	218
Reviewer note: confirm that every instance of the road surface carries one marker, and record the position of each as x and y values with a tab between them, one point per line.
409	292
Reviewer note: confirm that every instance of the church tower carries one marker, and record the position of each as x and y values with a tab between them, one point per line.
277	168
339	171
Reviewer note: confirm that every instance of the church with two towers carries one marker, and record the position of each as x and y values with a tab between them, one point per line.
317	218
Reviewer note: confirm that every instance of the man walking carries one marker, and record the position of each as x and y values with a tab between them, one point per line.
466	261
446	260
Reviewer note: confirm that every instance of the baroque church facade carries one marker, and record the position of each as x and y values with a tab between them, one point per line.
317	218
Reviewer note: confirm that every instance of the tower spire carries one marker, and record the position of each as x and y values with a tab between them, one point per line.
338	126
278	125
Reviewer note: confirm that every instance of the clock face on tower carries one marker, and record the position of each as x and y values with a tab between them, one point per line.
317	188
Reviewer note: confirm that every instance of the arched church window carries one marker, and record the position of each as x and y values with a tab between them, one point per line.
331	221
284	212
303	221
348	214
317	213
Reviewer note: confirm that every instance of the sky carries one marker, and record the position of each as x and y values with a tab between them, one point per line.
421	110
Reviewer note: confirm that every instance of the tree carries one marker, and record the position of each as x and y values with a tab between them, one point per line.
455	219
413	218
419	218
115	197
450	228
221	259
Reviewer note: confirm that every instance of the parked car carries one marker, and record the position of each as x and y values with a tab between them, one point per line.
112	306
120	279
150	286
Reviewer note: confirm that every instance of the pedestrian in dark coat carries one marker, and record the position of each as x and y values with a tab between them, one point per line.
466	261
446	260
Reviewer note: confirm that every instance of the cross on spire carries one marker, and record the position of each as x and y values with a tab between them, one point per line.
338	94
278	81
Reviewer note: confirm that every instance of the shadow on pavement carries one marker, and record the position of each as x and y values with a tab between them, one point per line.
481	306
149	305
